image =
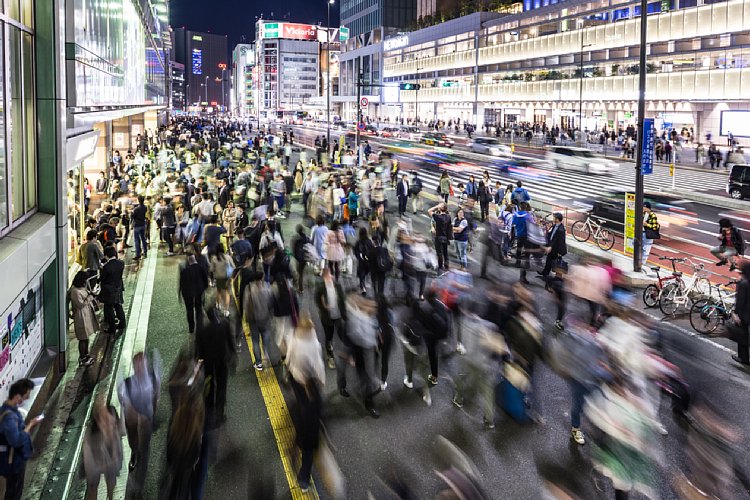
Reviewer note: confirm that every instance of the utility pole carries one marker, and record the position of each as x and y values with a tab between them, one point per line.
638	233
416	100
359	107
328	75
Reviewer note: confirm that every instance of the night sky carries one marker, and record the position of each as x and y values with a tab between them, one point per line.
237	18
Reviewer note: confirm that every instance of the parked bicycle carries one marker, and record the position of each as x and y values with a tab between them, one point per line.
653	291
678	293
583	230
707	314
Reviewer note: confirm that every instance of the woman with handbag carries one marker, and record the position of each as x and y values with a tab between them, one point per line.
334	249
83	307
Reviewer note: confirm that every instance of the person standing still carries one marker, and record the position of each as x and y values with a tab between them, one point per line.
112	288
15	441
402	193
442	229
650	232
193	284
741	317
139	219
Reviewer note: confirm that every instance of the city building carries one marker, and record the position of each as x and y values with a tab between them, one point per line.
207	73
288	59
179	99
363	17
74	90
244	78
572	64
433	8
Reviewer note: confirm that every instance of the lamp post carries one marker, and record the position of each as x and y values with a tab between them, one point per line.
416	100
206	90
223	68
328	76
186	96
580	89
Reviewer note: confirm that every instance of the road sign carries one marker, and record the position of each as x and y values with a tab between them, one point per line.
364	102
629	222
361	126
647	147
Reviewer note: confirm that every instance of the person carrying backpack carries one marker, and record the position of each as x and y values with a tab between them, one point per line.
414	190
380	265
257	304
520	195
731	244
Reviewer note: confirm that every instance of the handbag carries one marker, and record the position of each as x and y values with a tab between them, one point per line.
651	234
535	234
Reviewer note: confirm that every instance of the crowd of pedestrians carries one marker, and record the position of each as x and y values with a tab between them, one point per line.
219	194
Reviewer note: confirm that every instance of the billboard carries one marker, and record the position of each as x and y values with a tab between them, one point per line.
292	31
735	122
197	62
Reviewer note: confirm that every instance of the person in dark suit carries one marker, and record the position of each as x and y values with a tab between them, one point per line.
741	317
224	195
402	193
330	299
557	247
193	284
112	288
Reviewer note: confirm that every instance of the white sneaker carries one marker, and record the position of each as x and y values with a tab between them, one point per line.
661	429
426	397
383	386
460	348
577	436
407	383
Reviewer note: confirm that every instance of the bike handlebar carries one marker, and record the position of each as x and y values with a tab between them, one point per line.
674	259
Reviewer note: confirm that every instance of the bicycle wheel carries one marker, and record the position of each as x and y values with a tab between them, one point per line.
701	288
606	239
705	316
651	295
580	230
668	297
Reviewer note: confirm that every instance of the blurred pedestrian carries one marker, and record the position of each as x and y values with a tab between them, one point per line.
102	450
214	344
192	286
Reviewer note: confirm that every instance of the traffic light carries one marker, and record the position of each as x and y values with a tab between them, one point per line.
409	86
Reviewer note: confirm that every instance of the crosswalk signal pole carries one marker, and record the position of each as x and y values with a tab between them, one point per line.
638	236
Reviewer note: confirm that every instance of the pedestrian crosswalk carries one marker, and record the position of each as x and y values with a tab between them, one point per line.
550	184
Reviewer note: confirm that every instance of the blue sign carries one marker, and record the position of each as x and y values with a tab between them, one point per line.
647	146
361	126
197	62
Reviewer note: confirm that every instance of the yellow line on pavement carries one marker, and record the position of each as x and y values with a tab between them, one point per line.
281	422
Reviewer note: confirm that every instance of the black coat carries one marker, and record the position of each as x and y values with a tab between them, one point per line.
557	244
401	190
112	285
193	280
742	301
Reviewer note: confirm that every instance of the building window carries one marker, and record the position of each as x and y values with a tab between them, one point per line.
21	127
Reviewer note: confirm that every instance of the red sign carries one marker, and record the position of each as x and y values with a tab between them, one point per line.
214	103
222	66
300	31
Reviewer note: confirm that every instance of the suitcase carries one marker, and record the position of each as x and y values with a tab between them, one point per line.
511	393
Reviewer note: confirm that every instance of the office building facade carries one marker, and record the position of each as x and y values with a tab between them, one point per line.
207	71
244	80
575	64
364	16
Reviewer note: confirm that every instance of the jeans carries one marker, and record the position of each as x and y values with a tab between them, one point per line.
139	233
461	251
258	332
168	236
646	249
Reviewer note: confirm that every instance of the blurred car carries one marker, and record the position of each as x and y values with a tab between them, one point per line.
442	161
370	130
738	185
489	146
389	132
437	139
339	124
507	164
611	207
573	158
411	133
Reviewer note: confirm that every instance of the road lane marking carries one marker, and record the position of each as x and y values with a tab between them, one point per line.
281	421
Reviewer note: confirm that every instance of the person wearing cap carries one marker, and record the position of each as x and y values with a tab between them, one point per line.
556	248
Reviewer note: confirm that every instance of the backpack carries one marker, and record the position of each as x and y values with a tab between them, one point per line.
383	262
518	197
260	302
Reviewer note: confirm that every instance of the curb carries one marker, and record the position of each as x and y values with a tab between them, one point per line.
709	199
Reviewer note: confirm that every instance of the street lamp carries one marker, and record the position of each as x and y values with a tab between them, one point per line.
580	89
223	68
186	97
206	95
416	100
328	77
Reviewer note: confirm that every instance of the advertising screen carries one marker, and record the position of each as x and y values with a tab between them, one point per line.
292	31
736	122
197	62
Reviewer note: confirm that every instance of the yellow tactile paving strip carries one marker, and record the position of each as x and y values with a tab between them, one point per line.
281	423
